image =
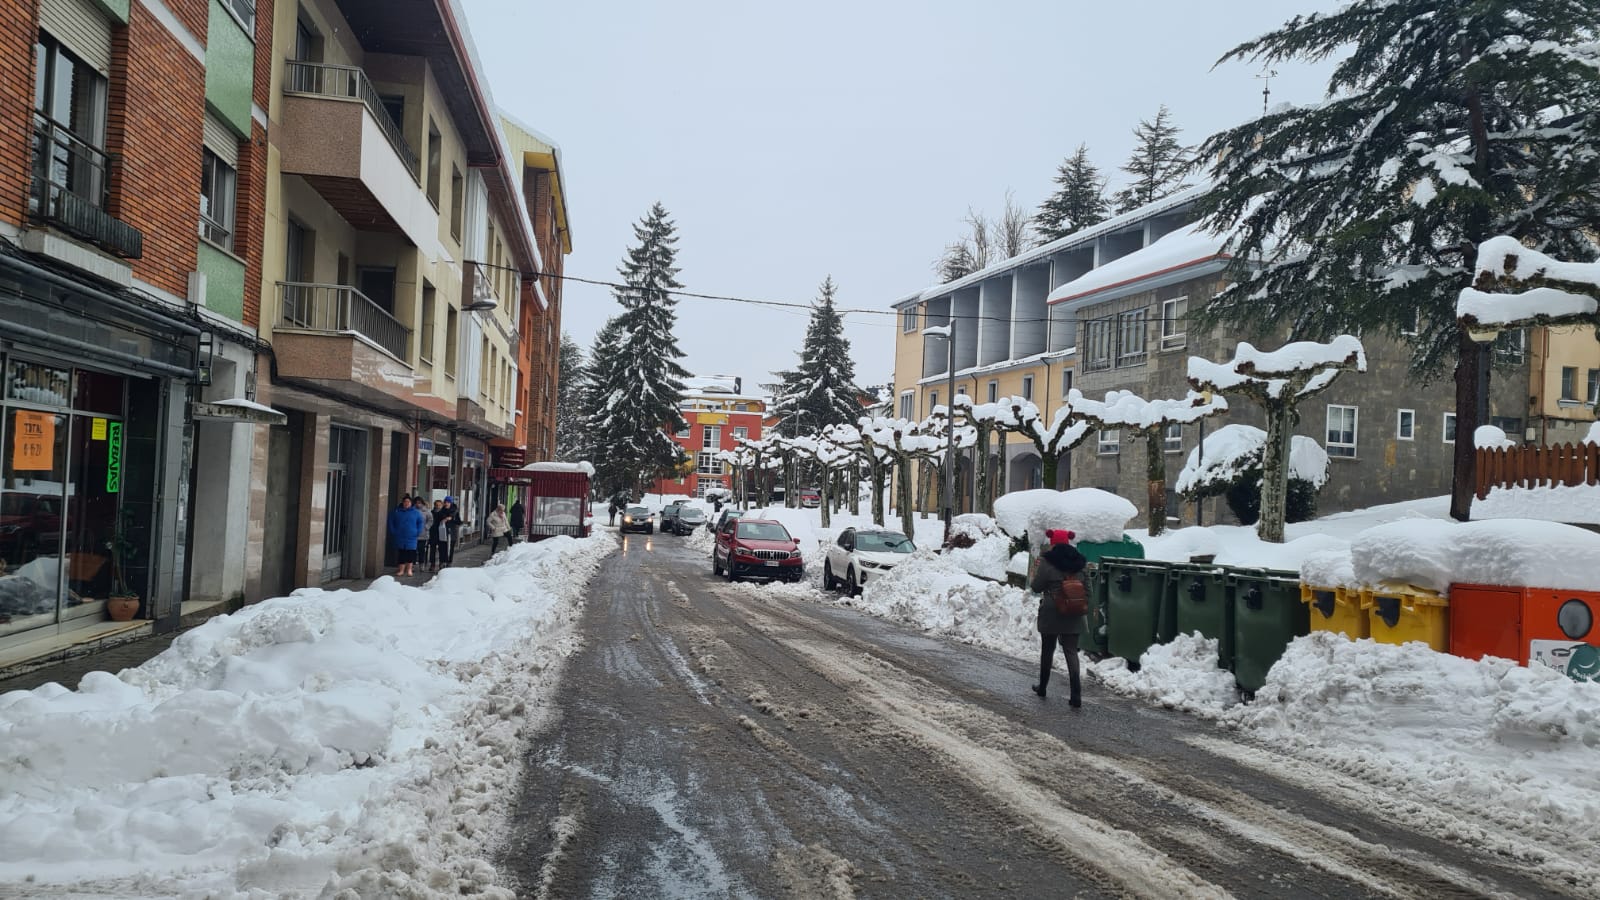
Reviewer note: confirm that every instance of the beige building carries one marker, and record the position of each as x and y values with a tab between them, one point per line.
1563	385
396	246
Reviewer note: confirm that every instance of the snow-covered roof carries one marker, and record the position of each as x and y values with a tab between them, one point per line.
1004	365
721	397
583	467
712	384
1189	246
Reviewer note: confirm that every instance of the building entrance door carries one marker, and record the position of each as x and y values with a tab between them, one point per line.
343	444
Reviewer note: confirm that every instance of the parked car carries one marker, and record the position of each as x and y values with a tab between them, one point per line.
810	498
760	548
863	555
638	518
688	518
729	513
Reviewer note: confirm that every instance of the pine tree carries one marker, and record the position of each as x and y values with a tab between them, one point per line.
1451	121
822	391
643	381
1079	200
601	380
1157	165
569	401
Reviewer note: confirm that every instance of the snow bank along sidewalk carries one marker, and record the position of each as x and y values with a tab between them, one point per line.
1485	753
329	739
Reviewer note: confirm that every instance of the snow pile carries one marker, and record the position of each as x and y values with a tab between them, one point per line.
935	594
311	743
1179	675
1593	437
1490	736
1514	552
1576	504
990	552
1488	437
1230	451
1094	514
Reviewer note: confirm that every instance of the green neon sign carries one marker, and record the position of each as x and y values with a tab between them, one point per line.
113	457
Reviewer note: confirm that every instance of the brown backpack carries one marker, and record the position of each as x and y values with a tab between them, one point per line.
1072	599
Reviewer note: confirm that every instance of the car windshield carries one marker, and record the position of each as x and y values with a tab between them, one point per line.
762	531
691	514
883	542
638	511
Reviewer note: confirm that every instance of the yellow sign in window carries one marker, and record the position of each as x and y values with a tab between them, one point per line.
97	430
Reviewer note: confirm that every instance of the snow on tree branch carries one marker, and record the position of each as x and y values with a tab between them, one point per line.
1516	287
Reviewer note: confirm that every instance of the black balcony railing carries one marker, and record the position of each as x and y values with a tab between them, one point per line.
71	185
349	82
342	309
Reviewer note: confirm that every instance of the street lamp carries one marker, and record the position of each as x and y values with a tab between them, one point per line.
948	332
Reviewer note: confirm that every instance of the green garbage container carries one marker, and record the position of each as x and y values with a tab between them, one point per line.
1093	639
1268	614
1127	548
1138	607
1203	603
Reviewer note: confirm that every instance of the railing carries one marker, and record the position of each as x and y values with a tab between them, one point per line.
349	82
71	186
1562	464
338	308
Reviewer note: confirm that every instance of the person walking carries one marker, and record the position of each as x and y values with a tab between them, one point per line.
518	518
439	537
611	512
498	526
430	553
406	524
452	530
1058	579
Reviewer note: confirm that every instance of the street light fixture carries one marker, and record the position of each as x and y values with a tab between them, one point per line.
948	332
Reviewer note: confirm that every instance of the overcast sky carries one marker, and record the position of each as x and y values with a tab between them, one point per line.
792	141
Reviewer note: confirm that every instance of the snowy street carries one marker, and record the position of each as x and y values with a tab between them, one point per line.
757	740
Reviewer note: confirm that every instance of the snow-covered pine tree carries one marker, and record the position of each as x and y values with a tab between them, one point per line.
1448	122
635	422
601	380
822	390
569	401
1079	200
1157	165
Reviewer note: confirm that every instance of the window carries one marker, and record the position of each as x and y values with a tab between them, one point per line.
1173	326
741	433
1110	442
1131	338
933	401
962	390
1569	384
1066	383
711	437
684	431
708	464
1099	337
1449	428
907	405
216	200
994	391
1172	438
245	12
306	47
425	333
69	103
908	320
1405	425
435	160
741	407
1341	430
451	324
1594	387
1511	425
458	187
1027	387
1511	346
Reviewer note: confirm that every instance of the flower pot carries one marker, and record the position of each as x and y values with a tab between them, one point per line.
122	609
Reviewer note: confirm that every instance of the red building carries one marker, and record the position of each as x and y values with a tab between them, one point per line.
718	414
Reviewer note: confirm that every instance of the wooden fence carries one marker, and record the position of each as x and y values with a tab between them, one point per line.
1562	464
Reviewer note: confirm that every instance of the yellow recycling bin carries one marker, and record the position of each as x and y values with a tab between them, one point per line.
1336	609
1401	613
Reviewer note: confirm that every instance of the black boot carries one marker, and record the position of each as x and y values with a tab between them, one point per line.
1039	689
1075	698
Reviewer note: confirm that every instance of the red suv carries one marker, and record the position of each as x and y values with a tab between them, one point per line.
757	547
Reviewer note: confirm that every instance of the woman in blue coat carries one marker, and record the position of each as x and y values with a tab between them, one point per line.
406	524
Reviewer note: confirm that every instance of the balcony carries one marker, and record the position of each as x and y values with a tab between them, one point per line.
339	138
334	336
70	188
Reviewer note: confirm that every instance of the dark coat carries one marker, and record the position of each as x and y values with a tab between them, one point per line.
405	526
1052	569
518	517
440	529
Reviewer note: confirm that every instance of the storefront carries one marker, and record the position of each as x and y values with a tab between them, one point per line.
92	454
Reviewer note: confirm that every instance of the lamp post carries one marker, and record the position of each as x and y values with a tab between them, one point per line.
948	332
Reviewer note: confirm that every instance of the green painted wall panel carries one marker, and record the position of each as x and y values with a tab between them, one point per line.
230	69
116	9
224	281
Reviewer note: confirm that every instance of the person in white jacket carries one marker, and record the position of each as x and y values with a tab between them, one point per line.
498	527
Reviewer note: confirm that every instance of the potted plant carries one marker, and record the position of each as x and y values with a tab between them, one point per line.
123	602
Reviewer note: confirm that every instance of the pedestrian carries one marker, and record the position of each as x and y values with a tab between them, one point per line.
611	511
439	536
518	518
430	552
406	524
498	526
1059	570
452	527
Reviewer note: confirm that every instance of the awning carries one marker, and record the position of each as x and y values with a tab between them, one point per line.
238	411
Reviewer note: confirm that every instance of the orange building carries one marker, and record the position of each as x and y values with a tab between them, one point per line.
718	413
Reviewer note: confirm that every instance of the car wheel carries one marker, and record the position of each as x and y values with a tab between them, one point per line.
731	576
827	576
851	583
716	565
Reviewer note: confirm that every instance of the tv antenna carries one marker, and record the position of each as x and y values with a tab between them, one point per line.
1267	74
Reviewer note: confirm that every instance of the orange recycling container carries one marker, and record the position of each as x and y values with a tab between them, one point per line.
1561	629
1486	620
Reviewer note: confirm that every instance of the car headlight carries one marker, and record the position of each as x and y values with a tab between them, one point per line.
627	520
794	554
740	551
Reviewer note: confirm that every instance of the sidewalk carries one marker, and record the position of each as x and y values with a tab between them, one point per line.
130	646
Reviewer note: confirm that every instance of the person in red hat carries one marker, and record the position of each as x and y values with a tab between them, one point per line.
1059	572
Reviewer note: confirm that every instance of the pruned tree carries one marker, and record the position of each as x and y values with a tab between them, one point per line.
1149	420
879	464
1278	381
1447	122
1065	431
